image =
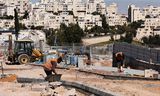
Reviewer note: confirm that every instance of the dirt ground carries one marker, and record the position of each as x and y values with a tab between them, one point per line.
120	87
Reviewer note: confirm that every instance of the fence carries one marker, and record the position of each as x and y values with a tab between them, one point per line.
74	48
150	55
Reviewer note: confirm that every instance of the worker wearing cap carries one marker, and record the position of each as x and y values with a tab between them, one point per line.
50	65
119	60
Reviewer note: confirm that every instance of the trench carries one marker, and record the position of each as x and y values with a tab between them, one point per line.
79	87
28	81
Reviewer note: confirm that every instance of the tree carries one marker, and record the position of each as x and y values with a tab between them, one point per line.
152	40
147	16
96	30
96	13
50	35
121	29
16	23
26	15
136	24
71	34
105	26
7	17
22	26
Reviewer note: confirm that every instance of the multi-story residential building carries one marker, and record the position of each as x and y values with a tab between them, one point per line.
6	24
54	21
79	9
113	18
150	27
146	32
2	8
51	13
143	32
116	19
50	7
101	7
9	10
151	10
21	5
96	6
35	35
135	13
92	20
44	1
152	22
112	9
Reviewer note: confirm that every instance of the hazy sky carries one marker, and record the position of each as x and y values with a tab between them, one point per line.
123	4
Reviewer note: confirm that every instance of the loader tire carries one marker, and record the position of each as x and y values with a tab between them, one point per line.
23	59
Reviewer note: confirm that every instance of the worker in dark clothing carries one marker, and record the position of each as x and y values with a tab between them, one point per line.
119	60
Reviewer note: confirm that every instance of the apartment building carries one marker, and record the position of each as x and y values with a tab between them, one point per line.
151	27
54	21
152	22
51	13
151	10
6	24
91	21
143	32
113	18
136	13
112	9
79	9
35	35
2	8
96	6
21	5
116	19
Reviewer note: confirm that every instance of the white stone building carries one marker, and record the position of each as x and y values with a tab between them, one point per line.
91	21
143	32
152	22
96	6
35	35
112	9
116	19
151	27
21	5
2	8
136	13
6	24
151	10
113	18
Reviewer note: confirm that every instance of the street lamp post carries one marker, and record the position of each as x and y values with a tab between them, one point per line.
55	39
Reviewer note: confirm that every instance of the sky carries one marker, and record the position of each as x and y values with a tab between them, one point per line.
123	4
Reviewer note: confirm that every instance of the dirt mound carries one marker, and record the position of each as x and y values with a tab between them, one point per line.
8	78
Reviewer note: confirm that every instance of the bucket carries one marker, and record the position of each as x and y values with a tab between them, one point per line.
53	77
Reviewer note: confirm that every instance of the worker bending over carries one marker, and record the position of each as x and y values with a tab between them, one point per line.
50	66
119	60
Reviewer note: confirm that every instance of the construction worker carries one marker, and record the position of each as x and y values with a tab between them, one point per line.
50	66
119	60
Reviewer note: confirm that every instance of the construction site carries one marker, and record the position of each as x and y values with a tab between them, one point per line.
22	74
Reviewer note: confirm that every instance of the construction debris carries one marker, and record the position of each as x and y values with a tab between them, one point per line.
149	73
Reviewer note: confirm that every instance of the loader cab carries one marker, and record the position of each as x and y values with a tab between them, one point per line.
23	51
23	47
